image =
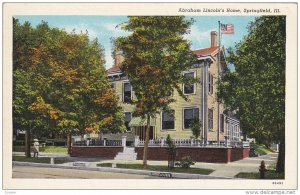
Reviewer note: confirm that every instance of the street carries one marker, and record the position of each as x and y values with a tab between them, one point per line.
57	173
221	169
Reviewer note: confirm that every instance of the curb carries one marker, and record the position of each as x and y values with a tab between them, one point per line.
120	170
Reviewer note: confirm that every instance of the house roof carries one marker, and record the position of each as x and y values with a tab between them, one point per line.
206	51
199	52
113	69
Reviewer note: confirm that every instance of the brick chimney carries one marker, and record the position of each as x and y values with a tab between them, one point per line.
119	58
213	39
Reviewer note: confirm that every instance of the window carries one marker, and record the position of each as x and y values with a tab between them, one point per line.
189	115
210	119
210	83
222	122
126	92
189	89
167	121
127	119
113	85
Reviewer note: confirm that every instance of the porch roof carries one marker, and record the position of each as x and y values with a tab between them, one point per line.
138	121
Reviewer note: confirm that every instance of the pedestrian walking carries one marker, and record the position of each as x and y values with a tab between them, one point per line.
36	148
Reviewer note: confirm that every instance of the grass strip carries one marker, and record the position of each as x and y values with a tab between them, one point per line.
160	168
271	174
45	160
104	165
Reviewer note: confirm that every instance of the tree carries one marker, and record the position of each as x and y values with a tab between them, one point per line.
155	54
23	97
256	89
68	86
25	92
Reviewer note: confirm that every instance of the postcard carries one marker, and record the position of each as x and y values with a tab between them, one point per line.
150	96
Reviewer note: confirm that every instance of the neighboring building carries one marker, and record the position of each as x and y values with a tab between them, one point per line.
202	104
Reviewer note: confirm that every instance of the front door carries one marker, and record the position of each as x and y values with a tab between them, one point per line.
141	132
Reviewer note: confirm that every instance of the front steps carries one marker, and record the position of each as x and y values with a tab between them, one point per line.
127	154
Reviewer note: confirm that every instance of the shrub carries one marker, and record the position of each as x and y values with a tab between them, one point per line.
172	150
185	162
196	127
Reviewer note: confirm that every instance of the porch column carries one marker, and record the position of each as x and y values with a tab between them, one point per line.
226	141
136	140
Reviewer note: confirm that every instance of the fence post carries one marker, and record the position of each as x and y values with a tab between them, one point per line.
162	140
136	140
52	160
124	141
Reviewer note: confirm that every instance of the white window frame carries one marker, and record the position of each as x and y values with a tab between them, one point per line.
161	112
185	72
123	84
185	108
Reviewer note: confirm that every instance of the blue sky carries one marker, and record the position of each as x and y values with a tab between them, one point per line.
104	28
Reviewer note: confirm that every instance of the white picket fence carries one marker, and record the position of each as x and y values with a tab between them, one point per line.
193	142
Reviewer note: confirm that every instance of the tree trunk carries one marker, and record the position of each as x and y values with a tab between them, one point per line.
69	141
27	144
145	156
281	156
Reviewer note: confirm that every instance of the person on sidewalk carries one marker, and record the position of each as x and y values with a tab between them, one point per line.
36	148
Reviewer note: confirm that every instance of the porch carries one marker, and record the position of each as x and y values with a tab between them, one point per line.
157	150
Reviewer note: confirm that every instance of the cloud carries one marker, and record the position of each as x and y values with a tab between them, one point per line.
110	26
109	61
110	30
82	28
114	29
199	39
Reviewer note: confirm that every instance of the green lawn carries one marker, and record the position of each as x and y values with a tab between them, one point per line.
54	149
47	149
159	168
268	175
45	160
261	149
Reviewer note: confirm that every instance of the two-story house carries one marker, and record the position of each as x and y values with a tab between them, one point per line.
202	104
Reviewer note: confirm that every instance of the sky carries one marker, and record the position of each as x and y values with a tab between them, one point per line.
104	28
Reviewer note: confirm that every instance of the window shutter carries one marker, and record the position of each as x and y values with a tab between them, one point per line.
209	82
212	84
